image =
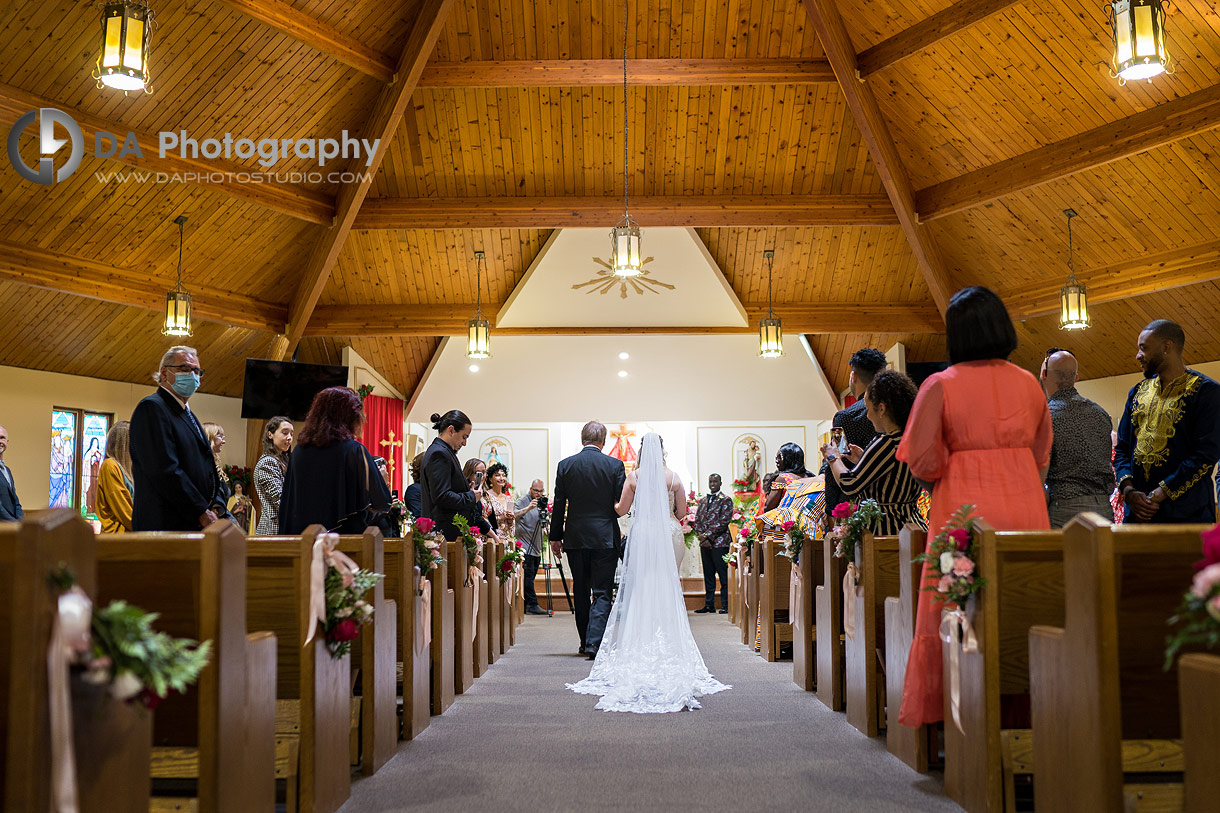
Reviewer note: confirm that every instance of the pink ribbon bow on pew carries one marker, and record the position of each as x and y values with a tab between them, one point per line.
70	635
423	635
796	596
324	556
474	577
954	625
850	579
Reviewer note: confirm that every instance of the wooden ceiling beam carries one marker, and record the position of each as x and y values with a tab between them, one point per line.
924	34
386	116
1142	275
519	73
302	204
49	270
450	320
570	212
876	133
301	27
1163	124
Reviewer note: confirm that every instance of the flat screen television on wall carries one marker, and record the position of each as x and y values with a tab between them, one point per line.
285	387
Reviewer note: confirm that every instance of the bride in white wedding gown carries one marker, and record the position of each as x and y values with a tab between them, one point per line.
648	662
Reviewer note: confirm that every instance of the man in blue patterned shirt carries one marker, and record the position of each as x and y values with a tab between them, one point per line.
1169	437
1080	477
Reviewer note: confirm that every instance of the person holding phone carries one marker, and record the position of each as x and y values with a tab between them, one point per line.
444	488
852	423
475	471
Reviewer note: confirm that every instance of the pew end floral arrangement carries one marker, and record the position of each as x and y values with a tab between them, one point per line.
1198	616
688	522
469	537
514	555
953	559
428	545
346	609
795	542
851	521
116	647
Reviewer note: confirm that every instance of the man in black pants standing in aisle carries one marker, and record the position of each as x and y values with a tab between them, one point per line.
712	519
529	515
585	525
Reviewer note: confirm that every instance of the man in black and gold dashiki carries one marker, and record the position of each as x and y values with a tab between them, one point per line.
1169	437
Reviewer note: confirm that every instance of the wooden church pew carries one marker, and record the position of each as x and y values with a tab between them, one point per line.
1025	587
463	620
313	689
1102	703
111	738
222	733
828	623
877	563
443	637
1199	684
774	570
375	656
810	568
481	647
908	744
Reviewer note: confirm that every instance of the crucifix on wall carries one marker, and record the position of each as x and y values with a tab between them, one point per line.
390	457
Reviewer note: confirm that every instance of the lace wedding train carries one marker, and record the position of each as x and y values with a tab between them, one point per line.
648	662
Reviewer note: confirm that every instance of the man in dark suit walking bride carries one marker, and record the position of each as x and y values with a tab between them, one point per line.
584	524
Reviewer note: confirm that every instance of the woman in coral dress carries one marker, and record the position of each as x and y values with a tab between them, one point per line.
979	433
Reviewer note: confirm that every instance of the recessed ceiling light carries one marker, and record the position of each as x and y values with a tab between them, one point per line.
622	373
474	368
624	356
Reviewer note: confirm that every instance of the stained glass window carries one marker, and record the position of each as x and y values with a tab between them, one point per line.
63	457
93	446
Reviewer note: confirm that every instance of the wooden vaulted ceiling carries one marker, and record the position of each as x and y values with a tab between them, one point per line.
974	124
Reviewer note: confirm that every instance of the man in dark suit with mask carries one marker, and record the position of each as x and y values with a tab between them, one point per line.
585	525
10	506
173	470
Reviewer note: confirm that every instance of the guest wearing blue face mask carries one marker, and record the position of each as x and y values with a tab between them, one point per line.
171	459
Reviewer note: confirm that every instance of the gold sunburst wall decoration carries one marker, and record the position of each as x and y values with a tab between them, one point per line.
606	281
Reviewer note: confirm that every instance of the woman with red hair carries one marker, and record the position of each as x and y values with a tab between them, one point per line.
332	480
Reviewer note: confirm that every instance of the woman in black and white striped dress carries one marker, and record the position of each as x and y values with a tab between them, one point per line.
876	473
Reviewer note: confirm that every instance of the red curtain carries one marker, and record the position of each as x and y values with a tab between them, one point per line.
383	434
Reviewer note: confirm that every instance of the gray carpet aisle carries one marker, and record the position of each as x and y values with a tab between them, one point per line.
518	740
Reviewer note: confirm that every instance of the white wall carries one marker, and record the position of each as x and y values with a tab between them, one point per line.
28	397
1111	392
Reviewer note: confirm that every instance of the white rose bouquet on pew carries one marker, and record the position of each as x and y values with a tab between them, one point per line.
428	543
1198	617
952	558
121	650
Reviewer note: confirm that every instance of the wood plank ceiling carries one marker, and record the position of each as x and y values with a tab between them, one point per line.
986	82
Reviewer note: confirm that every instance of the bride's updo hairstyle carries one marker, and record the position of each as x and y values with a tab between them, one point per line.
454	417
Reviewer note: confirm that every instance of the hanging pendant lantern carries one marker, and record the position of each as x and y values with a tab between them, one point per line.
770	330
177	300
1073	298
1138	28
127	28
626	258
478	329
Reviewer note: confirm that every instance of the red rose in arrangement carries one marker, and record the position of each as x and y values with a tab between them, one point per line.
843	510
960	537
506	566
787	526
1211	548
345	630
474	530
425	525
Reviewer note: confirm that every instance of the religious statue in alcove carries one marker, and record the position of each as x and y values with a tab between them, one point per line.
241	507
748	453
622	448
606	280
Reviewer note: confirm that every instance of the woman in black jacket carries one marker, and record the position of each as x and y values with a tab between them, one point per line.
332	479
443	488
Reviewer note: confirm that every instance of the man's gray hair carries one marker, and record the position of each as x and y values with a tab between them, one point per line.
593	432
168	358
